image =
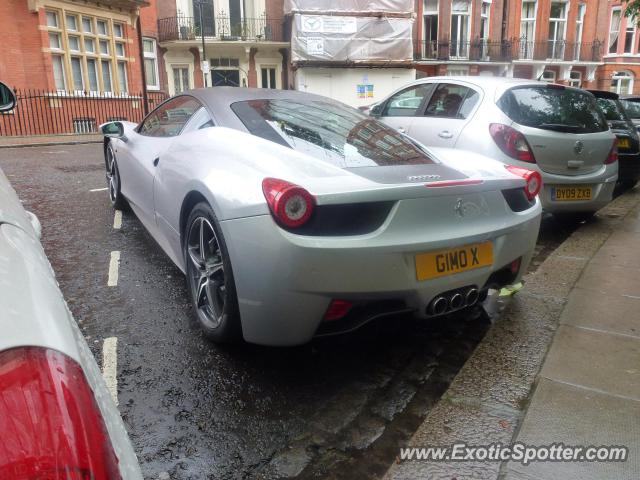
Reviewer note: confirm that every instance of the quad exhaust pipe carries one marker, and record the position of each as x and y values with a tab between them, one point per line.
453	300
439	305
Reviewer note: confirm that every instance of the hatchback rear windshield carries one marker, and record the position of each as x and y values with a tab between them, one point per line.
611	109
553	108
328	131
632	108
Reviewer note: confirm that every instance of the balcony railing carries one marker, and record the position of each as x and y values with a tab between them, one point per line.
221	28
509	50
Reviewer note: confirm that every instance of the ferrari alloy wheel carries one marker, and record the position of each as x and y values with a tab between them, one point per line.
113	180
209	276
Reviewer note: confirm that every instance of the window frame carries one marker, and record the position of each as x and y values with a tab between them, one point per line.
138	129
180	66
529	21
472	111
88	49
429	89
151	56
614	10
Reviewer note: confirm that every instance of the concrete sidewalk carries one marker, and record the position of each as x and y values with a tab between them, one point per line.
45	140
562	364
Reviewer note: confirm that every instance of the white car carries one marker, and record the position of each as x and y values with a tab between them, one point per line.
556	130
294	216
57	418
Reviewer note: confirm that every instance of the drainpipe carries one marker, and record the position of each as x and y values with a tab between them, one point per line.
145	97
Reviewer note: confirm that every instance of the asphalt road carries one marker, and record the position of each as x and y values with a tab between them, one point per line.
335	408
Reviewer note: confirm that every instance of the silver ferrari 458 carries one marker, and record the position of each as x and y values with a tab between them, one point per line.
295	216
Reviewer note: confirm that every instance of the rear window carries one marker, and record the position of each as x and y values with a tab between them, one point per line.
632	108
553	108
330	132
611	109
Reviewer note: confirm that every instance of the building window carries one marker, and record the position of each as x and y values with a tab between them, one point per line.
122	77
549	76
268	77
557	30
630	35
458	71
582	8
180	79
77	74
622	82
84	53
430	18
151	63
575	78
614	30
485	14
527	29
106	75
92	74
58	72
460	11
52	19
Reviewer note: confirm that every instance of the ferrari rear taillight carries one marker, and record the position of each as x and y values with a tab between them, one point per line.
51	425
613	153
511	142
291	205
531	177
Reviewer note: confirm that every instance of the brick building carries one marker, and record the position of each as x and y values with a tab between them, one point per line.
586	43
88	61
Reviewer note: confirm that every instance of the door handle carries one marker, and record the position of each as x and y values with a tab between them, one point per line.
402	130
445	134
155	162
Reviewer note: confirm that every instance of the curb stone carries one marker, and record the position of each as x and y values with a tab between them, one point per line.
489	397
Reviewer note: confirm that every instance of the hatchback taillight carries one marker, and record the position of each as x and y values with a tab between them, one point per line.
532	178
291	205
613	153
511	142
51	425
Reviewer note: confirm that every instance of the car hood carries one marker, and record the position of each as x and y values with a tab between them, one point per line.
12	211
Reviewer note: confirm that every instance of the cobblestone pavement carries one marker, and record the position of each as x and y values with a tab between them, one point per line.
335	408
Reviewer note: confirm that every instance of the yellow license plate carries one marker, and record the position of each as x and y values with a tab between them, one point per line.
624	143
570	194
455	260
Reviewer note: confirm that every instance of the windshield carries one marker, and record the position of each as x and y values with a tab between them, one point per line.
632	108
553	108
330	132
611	109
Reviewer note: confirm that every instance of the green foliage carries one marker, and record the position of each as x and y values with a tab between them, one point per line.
633	10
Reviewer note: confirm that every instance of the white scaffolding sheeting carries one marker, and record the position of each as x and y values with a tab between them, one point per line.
350	6
322	38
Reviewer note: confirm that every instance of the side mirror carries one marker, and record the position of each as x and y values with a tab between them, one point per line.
112	130
375	110
7	98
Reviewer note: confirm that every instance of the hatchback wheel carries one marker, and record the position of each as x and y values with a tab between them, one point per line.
113	180
209	276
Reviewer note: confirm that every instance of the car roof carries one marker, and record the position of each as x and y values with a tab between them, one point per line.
222	97
604	94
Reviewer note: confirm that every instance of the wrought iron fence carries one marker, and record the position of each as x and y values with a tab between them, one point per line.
223	28
39	112
509	50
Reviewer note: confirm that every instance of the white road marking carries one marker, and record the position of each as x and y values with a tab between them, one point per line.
117	220
110	366
114	265
99	189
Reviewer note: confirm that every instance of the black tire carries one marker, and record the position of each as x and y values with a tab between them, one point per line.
209	276
574	217
118	201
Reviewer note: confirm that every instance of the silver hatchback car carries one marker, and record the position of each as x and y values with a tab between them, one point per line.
556	130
